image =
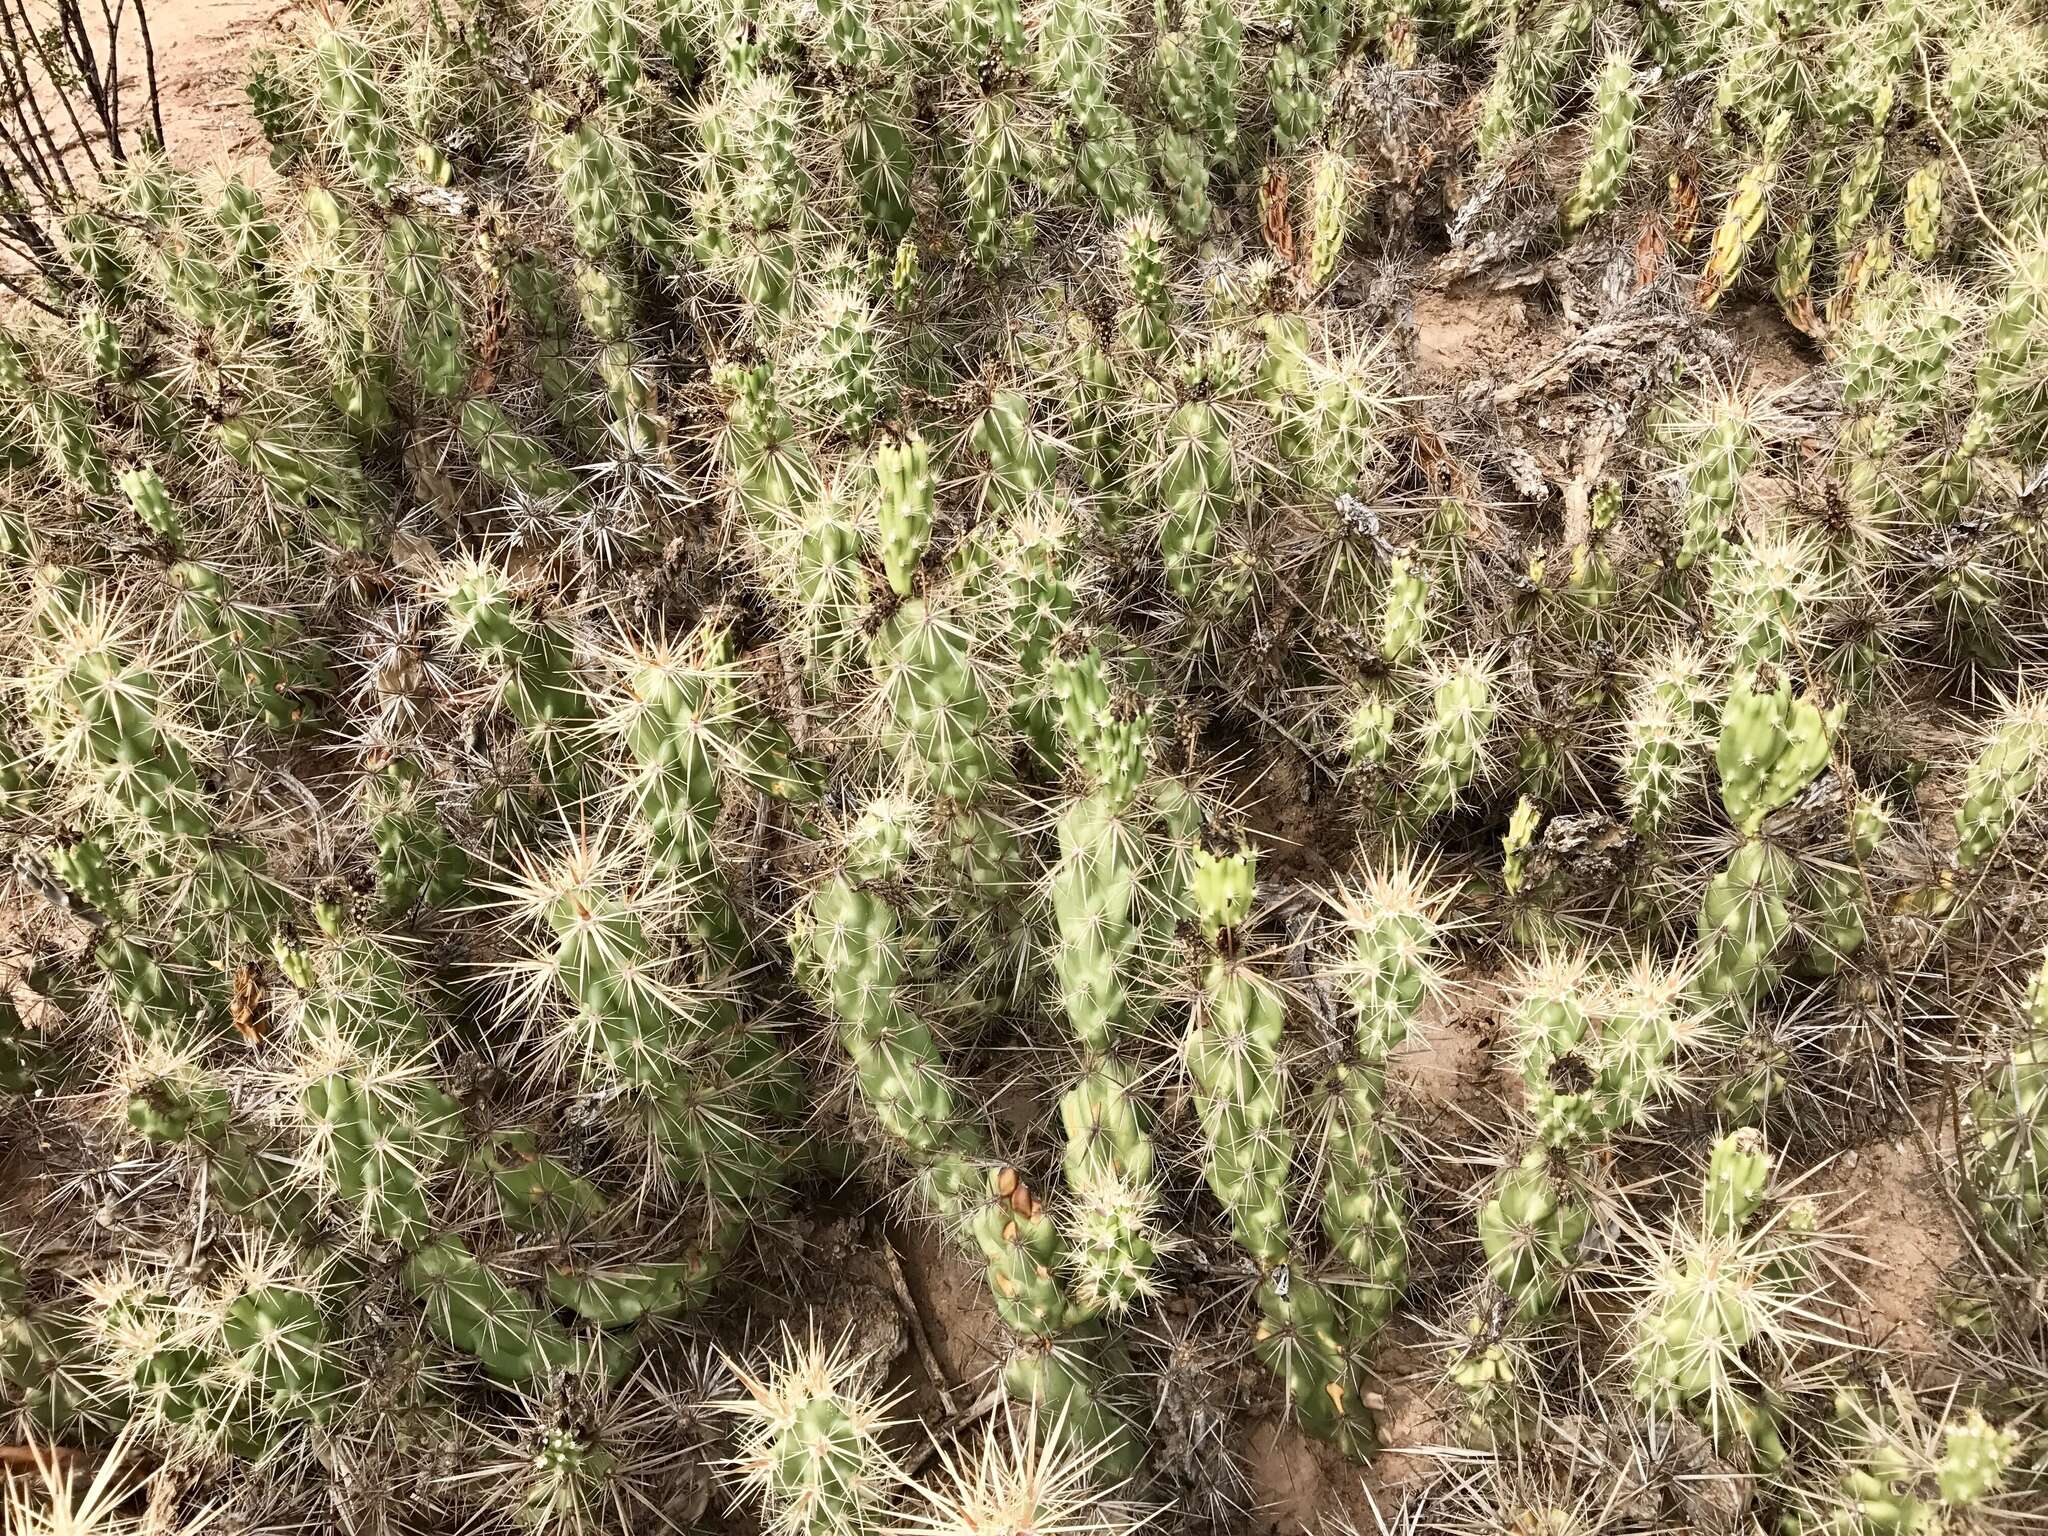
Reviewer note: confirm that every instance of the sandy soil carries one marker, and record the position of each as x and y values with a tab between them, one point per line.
202	48
1303	1488
1904	1231
952	1295
1467	332
1447	1059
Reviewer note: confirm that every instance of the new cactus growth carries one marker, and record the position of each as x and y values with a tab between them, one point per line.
813	1447
1922	213
2000	782
1453	738
1903	1468
1531	1230
264	663
1112	900
1771	747
852	944
99	712
531	661
417	864
1327	219
939	712
280	1337
904	513
2006	1141
357	113
1233	1056
1305	1329
1720	1298
688	727
1614	107
1196	483
708	1096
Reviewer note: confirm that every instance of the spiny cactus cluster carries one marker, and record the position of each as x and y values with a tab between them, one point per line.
696	617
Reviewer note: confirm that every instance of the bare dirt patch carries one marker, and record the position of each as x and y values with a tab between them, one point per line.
1774	356
1905	1230
1277	798
1466	332
202	58
952	1295
1301	1487
1412	1425
1447	1059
